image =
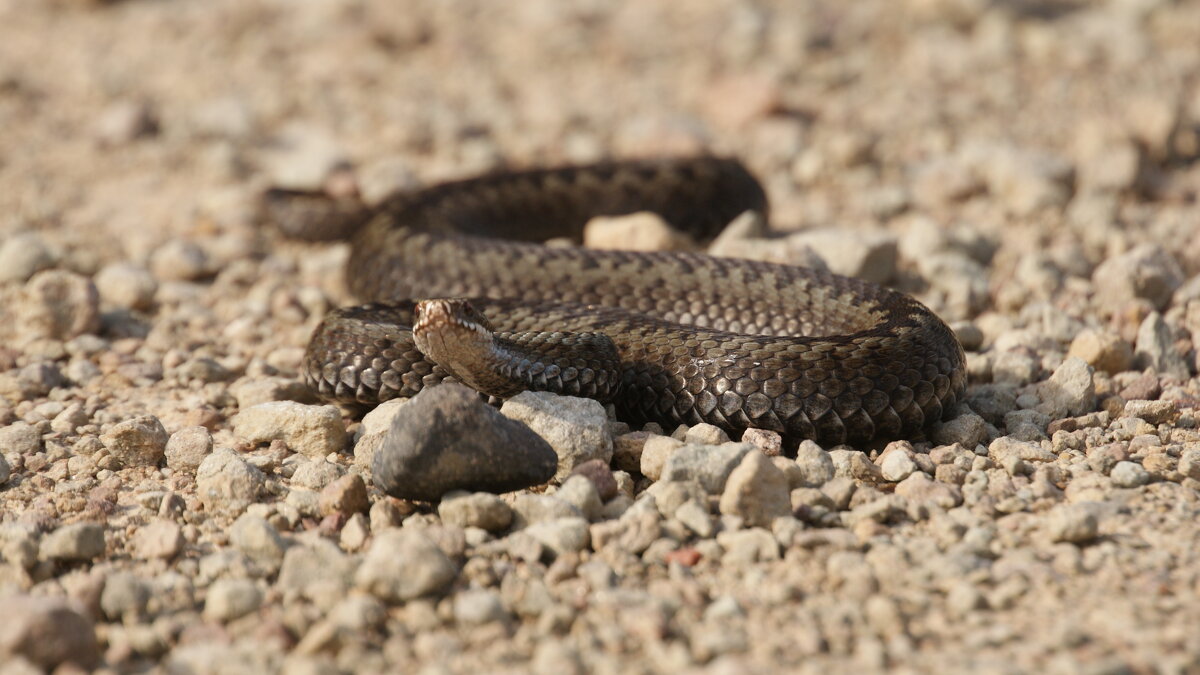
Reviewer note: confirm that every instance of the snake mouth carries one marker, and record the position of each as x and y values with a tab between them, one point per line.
446	312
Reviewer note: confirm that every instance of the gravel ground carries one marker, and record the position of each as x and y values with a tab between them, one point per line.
172	498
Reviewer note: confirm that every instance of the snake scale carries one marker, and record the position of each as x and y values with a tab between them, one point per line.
668	337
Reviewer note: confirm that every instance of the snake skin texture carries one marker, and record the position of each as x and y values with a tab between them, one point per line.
735	343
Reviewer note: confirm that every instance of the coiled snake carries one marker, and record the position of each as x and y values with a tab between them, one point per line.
670	337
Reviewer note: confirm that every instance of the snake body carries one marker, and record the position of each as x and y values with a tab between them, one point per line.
694	338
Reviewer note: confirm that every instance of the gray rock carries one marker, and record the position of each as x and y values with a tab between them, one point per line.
1129	475
919	489
22	256
476	607
1156	349
696	518
562	535
312	430
77	542
315	474
58	304
5	470
127	286
967	429
866	254
374	431
224	481
48	632
158	539
20	438
1154	412
897	461
577	428
757	491
536	508
1145	271
259	540
447	439
641	231
187	448
581	493
180	260
707	464
655	453
141	441
475	509
124	597
229	599
403	564
1074	524
315	563
1069	392
705	434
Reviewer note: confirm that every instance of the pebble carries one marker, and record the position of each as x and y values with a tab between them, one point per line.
447	439
1156	349
896	462
1069	392
258	540
577	428
230	599
815	464
314	474
5	470
48	632
643	231
187	448
402	565
124	597
656	451
757	491
1146	271
20	438
705	434
865	254
966	429
224	481
311	430
579	492
141	441
1154	412
561	535
345	496
59	305
1027	181
601	476
918	488
127	286
475	509
709	465
1128	474
1103	351
158	539
477	607
23	255
124	122
1074	524
77	542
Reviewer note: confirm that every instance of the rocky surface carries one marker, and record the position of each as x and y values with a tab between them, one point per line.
171	497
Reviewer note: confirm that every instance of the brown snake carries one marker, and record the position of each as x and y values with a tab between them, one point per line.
668	337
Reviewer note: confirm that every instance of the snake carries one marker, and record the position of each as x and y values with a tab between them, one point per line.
459	284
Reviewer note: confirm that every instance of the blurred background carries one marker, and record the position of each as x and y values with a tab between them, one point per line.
1027	139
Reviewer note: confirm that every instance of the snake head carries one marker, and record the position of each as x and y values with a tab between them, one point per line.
458	312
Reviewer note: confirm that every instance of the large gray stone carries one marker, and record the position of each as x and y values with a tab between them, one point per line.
447	439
